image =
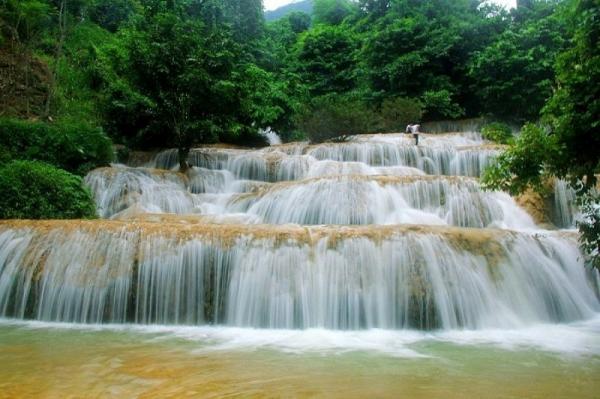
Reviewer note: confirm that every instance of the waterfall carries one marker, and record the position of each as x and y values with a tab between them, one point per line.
117	189
367	198
436	156
565	207
356	199
271	136
375	232
290	277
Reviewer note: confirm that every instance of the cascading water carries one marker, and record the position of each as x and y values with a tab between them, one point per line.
458	155
372	233
564	204
291	277
382	200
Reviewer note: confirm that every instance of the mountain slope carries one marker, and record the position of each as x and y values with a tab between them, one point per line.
303	6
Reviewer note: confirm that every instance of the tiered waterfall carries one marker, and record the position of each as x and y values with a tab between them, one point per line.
375	232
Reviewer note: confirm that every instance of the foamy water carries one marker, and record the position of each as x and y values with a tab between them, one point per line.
573	339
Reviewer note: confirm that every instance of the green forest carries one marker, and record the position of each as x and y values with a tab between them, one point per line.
78	77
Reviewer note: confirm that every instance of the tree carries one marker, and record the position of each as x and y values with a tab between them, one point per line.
111	14
186	73
377	8
331	12
573	112
24	20
568	146
396	113
185	82
326	59
247	18
336	117
513	76
525	163
299	21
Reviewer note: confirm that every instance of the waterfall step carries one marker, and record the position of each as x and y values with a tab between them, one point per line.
357	199
192	226
268	276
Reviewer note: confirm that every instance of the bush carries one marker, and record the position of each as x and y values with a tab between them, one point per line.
439	105
522	165
399	112
35	190
75	147
497	132
336	118
589	227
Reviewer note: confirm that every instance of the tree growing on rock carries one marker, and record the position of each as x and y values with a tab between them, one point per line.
188	75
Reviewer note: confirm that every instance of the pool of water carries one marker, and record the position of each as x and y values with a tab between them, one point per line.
45	360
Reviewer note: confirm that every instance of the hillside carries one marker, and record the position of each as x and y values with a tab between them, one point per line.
303	6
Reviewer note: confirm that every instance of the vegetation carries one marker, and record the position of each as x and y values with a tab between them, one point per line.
589	227
522	165
565	145
397	113
35	190
497	132
334	119
518	65
77	148
175	73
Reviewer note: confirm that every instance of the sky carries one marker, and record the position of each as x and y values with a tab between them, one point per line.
273	4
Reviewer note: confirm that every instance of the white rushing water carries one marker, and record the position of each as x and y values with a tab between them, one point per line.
292	277
462	155
572	339
375	233
565	206
361	200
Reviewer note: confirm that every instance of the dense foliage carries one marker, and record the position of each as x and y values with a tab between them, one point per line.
514	74
566	143
497	132
77	148
158	73
35	190
335	118
522	165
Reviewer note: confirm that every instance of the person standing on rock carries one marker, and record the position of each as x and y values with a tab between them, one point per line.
414	129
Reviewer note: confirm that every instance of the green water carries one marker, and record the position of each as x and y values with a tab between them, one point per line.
40	361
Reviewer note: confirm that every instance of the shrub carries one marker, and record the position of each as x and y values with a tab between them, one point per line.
399	112
35	190
336	118
75	147
589	227
522	165
497	132
439	105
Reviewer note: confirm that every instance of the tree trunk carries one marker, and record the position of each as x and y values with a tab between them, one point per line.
183	149
182	155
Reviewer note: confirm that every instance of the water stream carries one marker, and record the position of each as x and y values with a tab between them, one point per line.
374	262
